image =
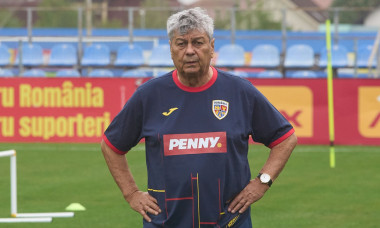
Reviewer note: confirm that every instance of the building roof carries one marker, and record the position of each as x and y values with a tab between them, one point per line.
313	9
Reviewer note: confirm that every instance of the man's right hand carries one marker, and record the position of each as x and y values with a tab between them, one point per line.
144	204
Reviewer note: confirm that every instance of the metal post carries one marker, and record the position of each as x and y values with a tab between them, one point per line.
336	26
29	11
233	25
89	17
80	36
283	39
13	185
356	58
378	64
283	30
130	24
20	65
142	18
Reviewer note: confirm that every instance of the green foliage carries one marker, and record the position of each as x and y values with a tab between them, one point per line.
56	18
8	20
156	19
254	17
354	16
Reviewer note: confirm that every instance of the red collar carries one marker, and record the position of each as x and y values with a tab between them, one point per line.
196	89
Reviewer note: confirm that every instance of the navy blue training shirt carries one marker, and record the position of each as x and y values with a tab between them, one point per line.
196	141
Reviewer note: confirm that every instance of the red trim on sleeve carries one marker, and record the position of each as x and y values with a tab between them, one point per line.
195	89
282	138
112	146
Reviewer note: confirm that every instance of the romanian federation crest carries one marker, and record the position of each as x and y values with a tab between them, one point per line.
220	108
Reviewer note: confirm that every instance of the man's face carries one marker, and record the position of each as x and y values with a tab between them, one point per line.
192	52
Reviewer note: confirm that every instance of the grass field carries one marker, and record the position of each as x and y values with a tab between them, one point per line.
307	194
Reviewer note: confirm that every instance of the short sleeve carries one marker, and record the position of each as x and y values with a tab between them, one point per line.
124	132
269	126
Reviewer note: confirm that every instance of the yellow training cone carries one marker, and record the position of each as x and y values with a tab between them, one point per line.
75	207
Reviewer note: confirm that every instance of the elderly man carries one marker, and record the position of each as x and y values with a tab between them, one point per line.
196	121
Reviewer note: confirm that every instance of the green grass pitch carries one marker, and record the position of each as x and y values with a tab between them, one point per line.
307	194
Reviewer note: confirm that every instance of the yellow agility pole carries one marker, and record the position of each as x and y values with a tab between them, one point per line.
330	95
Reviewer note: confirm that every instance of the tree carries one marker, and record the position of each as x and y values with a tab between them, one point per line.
254	17
8	19
156	18
354	16
59	17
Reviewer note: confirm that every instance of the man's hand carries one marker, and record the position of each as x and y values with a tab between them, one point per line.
144	204
254	191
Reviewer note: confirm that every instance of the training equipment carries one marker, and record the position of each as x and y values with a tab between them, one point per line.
25	217
330	95
75	207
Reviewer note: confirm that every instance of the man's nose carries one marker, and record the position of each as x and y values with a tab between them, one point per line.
190	49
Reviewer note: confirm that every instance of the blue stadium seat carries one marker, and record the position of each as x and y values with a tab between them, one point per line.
129	56
269	74
299	56
301	74
161	56
68	73
134	73
101	73
96	55
63	55
4	55
339	57
160	72
32	55
34	73
350	73
363	55
265	55
239	73
231	55
6	73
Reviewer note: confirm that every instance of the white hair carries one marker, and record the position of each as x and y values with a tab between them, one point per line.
186	20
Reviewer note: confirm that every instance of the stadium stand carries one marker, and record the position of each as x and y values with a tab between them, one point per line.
6	73
129	56
269	74
231	55
265	55
34	73
161	57
96	55
339	57
68	73
363	55
32	55
301	74
299	56
101	73
63	55
239	73
250	41
160	72
5	56
134	73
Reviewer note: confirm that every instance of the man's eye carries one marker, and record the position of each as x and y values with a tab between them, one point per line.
181	44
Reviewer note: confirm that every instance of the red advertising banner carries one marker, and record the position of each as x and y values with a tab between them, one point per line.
60	110
80	109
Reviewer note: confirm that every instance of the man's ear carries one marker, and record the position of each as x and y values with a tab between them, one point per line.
213	48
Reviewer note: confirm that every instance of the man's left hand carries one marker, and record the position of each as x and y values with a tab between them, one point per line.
254	191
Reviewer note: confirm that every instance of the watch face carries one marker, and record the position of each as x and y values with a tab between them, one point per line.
264	178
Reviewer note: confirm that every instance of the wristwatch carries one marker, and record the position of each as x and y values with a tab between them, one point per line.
265	179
